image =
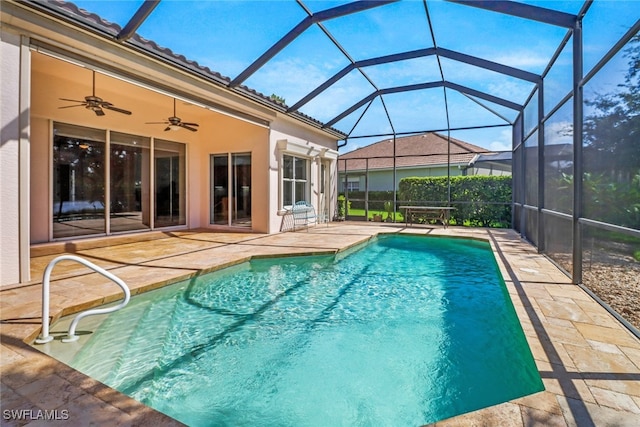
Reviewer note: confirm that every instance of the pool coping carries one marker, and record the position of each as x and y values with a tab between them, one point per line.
589	363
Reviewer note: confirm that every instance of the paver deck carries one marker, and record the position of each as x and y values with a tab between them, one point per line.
588	361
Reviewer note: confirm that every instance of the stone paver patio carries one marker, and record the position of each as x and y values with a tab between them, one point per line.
589	363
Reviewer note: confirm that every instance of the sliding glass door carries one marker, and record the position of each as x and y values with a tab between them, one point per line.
129	183
231	189
170	186
78	181
102	182
219	209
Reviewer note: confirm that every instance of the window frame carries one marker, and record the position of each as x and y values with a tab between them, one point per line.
293	180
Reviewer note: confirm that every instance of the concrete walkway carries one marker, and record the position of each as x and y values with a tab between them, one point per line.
589	363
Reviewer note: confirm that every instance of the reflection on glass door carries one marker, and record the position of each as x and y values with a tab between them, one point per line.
220	190
241	176
170	185
78	181
231	190
129	183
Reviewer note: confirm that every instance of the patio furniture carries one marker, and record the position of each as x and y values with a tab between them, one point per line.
438	213
304	215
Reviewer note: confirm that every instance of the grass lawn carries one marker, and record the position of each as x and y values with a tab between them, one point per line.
400	218
360	212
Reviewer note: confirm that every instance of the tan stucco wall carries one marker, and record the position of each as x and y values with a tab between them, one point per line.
231	136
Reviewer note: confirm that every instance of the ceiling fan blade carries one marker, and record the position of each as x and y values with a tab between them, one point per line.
118	110
184	125
156	123
98	111
190	124
70	100
167	128
71	106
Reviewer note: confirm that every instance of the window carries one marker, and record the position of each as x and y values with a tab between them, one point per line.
352	184
294	180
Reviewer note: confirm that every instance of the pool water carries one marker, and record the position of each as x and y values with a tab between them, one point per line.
406	331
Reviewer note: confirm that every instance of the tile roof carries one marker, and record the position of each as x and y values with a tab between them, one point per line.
427	149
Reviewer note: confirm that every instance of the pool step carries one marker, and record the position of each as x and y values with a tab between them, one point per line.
187	330
145	346
95	358
132	341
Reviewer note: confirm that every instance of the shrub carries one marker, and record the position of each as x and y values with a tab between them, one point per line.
479	200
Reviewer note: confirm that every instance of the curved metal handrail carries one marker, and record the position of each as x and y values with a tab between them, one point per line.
71	336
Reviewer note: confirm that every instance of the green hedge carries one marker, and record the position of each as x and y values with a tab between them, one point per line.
479	200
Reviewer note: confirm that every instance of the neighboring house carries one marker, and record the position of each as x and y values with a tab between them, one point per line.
427	154
125	165
491	164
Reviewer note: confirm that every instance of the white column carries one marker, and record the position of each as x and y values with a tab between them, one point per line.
14	159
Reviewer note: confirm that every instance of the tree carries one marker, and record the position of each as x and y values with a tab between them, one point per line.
278	99
612	149
612	131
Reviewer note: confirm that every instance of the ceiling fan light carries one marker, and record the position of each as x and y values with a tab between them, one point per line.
174	127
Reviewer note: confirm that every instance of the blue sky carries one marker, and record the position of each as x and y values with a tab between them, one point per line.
227	36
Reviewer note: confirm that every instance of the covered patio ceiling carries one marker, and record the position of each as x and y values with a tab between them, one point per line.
369	69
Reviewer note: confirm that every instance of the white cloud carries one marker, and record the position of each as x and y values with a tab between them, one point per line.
503	142
523	59
290	79
515	91
559	132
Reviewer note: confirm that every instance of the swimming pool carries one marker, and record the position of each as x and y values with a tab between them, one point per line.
405	331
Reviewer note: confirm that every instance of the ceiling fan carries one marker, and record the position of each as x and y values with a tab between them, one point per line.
95	103
175	123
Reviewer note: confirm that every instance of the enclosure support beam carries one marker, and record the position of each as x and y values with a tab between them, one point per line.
521	10
523	184
138	19
336	12
577	151
423	86
366	187
395	171
420	53
488	65
483	95
360	64
541	174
